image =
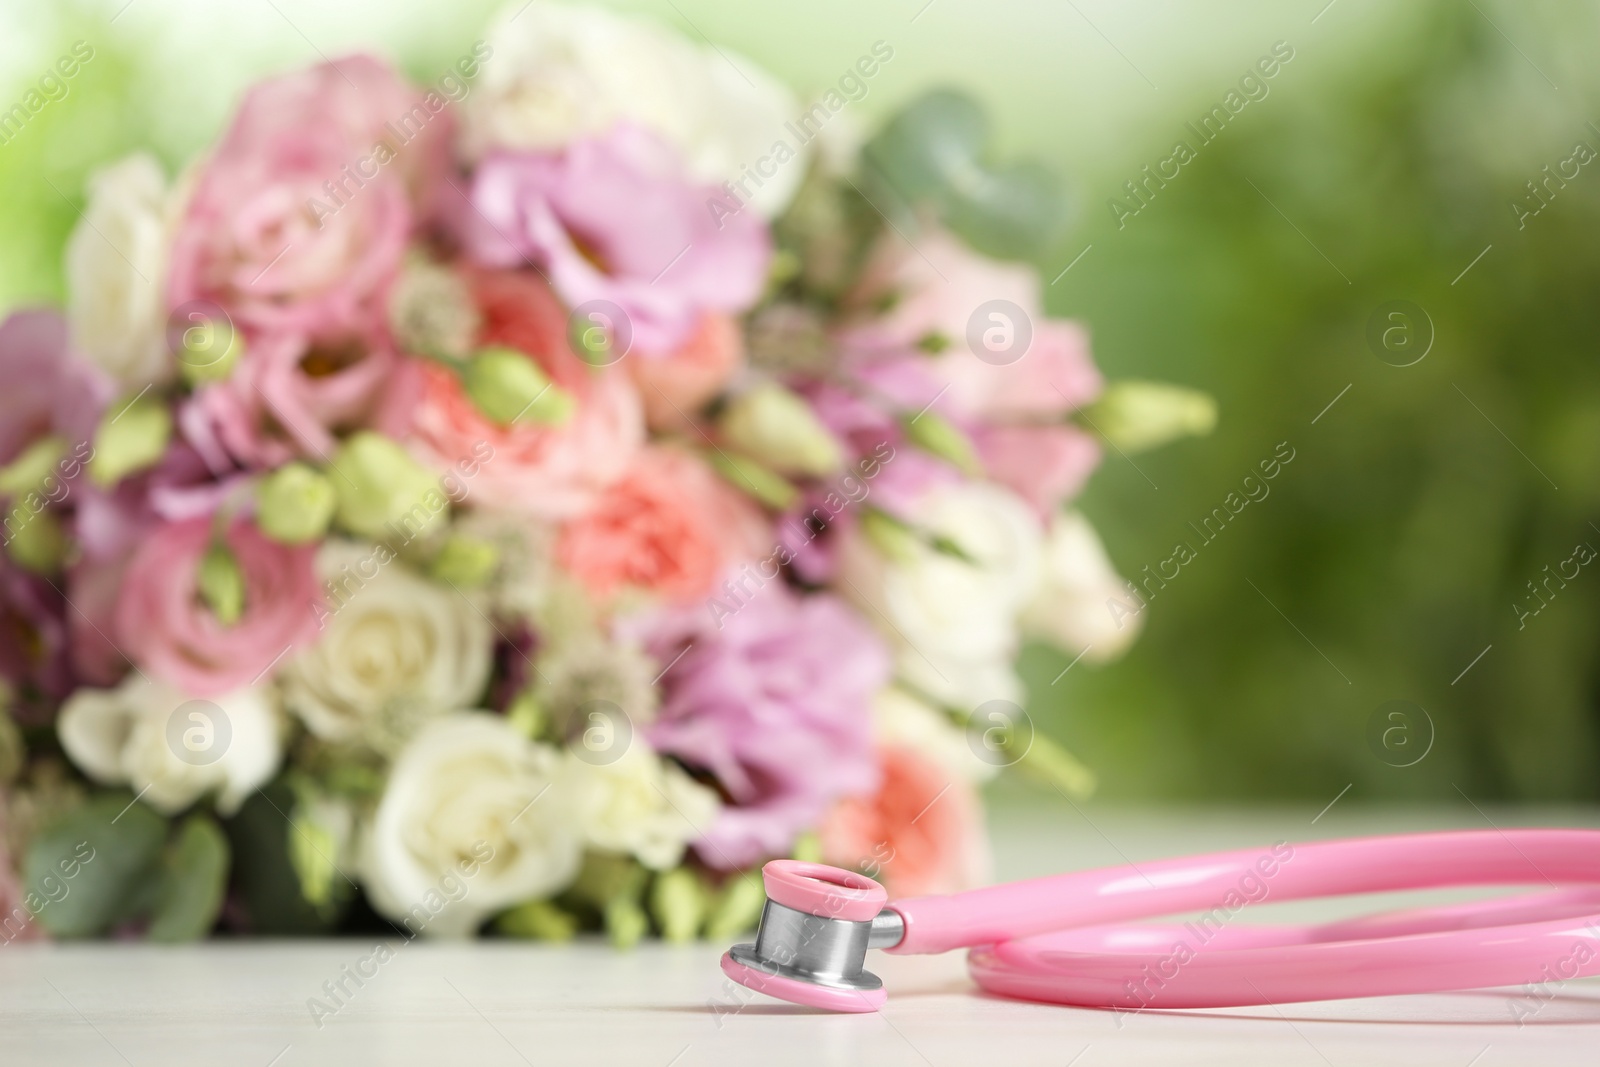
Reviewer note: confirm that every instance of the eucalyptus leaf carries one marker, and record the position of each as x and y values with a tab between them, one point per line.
932	148
84	871
194	875
935	154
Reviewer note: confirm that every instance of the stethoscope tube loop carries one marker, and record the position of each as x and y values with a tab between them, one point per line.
1057	939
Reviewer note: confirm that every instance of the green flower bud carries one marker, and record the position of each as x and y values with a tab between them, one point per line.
737	907
1137	416
938	436
312	844
539	920
129	438
28	471
751	478
35	540
465	561
807	848
509	387
221	583
384	493
773	426
294	504
208	353
678	903
626	922
890	536
526	716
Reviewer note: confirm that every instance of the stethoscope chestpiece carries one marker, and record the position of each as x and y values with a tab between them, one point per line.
811	946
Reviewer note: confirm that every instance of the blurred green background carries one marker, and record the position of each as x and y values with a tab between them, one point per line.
1381	165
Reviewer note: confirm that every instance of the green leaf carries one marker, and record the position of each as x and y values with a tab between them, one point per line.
268	885
937	152
194	875
86	871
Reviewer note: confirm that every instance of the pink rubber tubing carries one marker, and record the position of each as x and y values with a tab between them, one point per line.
1051	939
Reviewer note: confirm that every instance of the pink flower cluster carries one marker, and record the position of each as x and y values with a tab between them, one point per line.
543	385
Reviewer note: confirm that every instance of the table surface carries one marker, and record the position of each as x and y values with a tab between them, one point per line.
497	1002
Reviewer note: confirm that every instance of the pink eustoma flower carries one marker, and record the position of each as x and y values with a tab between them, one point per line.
773	700
166	629
613	219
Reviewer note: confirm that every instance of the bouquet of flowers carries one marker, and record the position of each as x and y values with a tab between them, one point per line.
538	497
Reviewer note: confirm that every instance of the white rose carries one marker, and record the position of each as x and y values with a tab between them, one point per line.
901	720
396	649
639	804
149	736
558	73
474	804
116	265
1072	608
952	617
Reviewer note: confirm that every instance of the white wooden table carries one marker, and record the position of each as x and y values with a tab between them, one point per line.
500	1003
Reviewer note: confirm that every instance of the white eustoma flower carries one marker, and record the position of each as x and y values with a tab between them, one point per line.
638	803
952	611
396	649
557	73
173	750
1071	609
472	820
116	266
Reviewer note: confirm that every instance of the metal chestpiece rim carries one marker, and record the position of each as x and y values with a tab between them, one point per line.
818	950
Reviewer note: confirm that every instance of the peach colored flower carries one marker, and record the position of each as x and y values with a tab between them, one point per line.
669	527
164	626
921	833
550	472
676	386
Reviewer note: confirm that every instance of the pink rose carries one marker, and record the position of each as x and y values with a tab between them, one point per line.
164	626
921	833
289	396
298	220
668	527
545	471
676	386
612	218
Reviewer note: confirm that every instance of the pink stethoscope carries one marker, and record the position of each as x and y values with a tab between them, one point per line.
1054	939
